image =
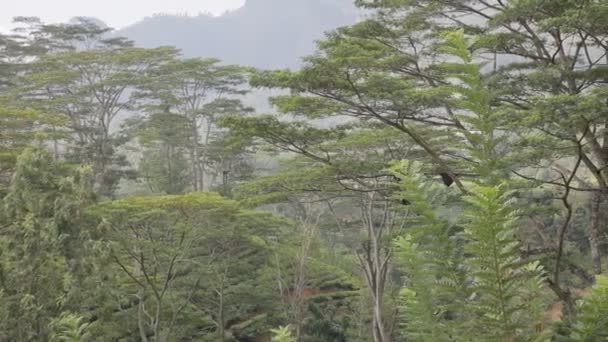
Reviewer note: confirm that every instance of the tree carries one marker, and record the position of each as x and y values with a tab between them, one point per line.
183	255
431	258
358	153
549	64
20	125
529	105
163	165
466	279
19	128
591	322
90	81
344	171
436	166
508	287
41	244
197	92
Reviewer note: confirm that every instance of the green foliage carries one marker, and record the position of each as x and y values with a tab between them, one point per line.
490	293
183	101
591	323
187	258
20	127
164	170
508	287
408	83
68	328
40	243
88	79
431	257
282	334
421	316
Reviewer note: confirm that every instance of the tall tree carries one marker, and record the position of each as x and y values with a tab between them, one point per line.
163	165
89	78
345	169
199	91
539	70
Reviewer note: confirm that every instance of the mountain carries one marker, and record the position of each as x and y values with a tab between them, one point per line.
262	33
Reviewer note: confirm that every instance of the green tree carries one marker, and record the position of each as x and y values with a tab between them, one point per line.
525	103
430	256
163	164
508	287
90	81
548	64
20	124
41	244
591	321
469	280
19	128
197	92
344	171
188	260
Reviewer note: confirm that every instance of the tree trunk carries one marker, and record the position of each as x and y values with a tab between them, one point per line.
379	321
203	161
141	295
170	175
140	317
300	281
56	155
221	331
594	232
194	157
375	267
221	317
193	169
157	335
375	282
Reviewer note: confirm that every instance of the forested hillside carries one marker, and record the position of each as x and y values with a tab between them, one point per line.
263	33
440	173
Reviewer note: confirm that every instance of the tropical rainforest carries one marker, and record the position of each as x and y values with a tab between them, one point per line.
437	171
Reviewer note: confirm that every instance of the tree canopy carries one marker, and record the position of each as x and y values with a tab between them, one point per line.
435	172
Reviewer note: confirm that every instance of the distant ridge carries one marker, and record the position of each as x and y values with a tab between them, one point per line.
262	33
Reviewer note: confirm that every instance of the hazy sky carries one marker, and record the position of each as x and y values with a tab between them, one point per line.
116	13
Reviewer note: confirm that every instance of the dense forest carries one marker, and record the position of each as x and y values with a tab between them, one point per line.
437	171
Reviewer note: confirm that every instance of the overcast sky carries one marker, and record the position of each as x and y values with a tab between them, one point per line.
116	13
